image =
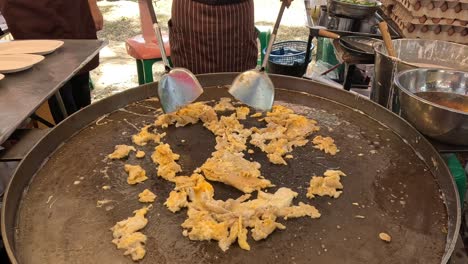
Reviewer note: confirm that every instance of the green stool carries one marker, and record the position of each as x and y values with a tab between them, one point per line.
264	33
145	69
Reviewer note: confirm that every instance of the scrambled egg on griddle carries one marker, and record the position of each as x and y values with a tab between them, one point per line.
228	221
224	104
242	112
230	134
195	186
146	196
327	144
328	185
225	125
140	154
127	237
233	169
227	164
145	135
165	158
189	114
176	201
284	131
121	151
136	174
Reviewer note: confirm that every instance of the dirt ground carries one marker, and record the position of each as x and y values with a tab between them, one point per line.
117	71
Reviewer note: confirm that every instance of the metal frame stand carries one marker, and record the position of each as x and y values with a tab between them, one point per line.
61	104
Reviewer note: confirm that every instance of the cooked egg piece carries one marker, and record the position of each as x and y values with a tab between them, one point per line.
140	154
189	114
136	174
165	158
146	196
284	131
147	133
385	237
256	115
242	112
329	185
224	104
327	144
127	237
121	151
232	169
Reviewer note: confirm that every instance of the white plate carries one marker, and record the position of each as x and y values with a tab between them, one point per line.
1	76
18	62
41	47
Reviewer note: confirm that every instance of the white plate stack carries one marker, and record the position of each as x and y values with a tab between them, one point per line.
439	20
20	55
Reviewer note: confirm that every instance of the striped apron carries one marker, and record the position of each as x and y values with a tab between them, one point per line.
209	38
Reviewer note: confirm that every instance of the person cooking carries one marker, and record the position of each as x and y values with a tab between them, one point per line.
213	35
65	19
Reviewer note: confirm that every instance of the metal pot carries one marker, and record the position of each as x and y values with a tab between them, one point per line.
352	10
420	89
412	54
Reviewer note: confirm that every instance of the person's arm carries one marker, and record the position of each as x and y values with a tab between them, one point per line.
96	13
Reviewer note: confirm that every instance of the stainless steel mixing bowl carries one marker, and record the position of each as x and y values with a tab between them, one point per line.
428	98
412	54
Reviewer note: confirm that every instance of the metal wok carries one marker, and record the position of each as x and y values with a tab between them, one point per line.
352	10
400	182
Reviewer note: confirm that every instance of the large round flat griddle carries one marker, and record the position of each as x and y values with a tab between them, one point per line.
399	181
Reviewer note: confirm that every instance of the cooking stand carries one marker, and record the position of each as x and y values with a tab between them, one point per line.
351	27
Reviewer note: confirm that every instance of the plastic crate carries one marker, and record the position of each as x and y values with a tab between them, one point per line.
288	58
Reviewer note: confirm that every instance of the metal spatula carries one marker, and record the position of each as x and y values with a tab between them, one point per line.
178	86
254	87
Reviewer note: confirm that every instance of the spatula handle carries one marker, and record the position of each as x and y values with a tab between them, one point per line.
273	36
161	44
387	38
327	34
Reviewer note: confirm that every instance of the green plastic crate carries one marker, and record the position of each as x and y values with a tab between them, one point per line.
458	174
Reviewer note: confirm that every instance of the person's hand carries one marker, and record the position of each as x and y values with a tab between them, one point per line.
96	14
287	2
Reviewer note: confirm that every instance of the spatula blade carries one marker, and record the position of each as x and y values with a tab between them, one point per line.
255	89
178	88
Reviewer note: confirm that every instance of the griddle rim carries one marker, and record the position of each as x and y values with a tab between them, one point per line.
40	153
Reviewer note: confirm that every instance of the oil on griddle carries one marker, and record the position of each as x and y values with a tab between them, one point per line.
59	221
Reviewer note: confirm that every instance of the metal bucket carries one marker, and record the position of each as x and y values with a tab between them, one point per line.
412	54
